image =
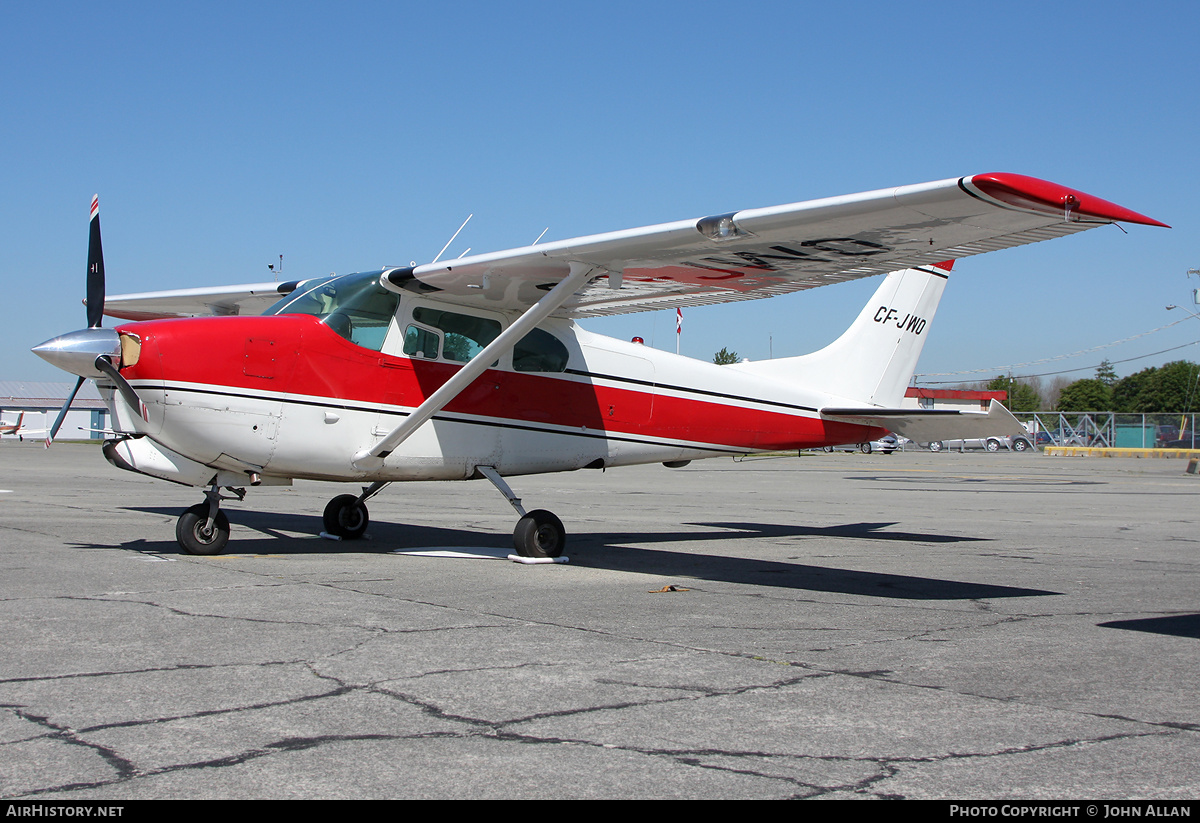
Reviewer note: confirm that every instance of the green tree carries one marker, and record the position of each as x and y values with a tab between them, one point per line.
1125	392
1105	373
1090	394
1169	388
1021	396
724	357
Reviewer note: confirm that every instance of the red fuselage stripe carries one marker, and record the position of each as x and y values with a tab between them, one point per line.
295	356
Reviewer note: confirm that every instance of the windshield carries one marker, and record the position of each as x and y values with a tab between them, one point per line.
353	305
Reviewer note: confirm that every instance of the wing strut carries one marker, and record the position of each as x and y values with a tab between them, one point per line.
372	459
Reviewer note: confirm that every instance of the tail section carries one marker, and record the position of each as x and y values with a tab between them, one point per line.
874	360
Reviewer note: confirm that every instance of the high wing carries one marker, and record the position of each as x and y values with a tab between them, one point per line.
253	298
741	255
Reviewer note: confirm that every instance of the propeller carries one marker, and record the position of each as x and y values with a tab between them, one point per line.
63	412
95	269
90	352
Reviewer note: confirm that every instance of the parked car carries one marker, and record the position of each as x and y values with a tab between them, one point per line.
886	444
992	444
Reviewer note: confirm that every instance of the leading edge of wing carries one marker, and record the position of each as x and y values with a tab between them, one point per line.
250	298
756	253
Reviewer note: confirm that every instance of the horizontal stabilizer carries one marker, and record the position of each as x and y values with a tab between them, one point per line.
924	425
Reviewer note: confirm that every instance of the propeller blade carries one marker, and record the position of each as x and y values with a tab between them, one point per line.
66	406
103	364
95	270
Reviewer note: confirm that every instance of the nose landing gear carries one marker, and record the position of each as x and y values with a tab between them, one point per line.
204	529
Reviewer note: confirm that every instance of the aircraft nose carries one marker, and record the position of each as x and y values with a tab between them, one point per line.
77	351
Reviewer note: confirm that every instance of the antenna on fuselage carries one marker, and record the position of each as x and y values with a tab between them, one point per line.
451	240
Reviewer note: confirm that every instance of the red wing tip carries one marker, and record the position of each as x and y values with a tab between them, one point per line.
1041	195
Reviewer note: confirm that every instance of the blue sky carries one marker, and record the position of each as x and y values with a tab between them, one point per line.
350	136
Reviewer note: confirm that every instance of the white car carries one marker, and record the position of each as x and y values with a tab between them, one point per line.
992	444
886	444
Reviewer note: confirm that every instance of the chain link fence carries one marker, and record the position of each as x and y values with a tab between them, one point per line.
1112	430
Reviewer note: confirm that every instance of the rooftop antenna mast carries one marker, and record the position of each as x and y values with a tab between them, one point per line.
278	271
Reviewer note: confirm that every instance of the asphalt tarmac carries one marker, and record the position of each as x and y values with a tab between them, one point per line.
914	625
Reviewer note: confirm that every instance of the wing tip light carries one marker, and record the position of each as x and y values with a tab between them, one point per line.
1024	192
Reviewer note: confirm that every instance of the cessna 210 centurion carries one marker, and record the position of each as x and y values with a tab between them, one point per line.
474	368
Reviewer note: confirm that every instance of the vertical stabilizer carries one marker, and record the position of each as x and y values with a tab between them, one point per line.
874	360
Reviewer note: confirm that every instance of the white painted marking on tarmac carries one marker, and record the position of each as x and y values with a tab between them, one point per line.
537	561
457	552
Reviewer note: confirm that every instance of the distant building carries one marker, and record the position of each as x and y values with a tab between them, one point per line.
917	397
41	402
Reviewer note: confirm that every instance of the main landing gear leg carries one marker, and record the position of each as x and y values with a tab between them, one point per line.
204	529
538	533
346	515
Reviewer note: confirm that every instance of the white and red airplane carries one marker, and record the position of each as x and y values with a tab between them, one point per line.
13	428
474	368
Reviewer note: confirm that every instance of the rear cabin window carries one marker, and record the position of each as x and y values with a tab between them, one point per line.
540	351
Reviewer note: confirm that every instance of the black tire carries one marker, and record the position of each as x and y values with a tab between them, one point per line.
828	449
189	531
539	534
865	448
1021	444
936	446
992	444
346	517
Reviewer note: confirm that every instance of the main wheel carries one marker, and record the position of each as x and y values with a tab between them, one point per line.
539	534
993	445
192	536
935	446
346	517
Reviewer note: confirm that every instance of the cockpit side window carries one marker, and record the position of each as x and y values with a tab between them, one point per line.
421	342
463	335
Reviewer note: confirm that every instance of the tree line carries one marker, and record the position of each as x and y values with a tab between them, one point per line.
1172	387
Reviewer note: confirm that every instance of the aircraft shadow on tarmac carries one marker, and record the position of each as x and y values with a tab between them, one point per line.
626	551
1179	625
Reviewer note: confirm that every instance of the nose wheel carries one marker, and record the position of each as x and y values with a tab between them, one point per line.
204	529
197	536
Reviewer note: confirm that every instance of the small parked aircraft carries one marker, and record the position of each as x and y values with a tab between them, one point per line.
474	368
13	428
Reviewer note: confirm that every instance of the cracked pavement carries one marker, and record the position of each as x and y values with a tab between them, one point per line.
853	626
